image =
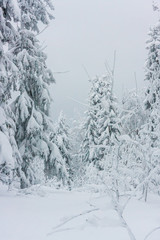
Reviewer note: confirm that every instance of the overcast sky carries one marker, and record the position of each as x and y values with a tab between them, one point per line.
86	32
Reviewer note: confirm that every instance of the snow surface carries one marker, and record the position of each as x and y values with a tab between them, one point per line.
42	213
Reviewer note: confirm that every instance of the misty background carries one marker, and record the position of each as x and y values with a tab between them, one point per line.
86	33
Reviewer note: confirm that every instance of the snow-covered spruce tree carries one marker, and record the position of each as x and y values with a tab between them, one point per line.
109	122
32	105
152	100
89	154
102	125
150	131
63	142
9	15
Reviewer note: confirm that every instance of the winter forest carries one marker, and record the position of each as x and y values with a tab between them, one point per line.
93	177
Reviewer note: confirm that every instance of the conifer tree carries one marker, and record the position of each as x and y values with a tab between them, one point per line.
102	126
9	15
150	131
152	100
33	103
63	142
89	151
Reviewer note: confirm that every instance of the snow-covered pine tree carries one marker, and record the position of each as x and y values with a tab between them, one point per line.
63	142
152	70
102	125
150	131
32	105
9	15
109	123
88	152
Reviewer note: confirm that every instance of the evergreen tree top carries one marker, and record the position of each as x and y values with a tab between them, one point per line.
152	68
35	11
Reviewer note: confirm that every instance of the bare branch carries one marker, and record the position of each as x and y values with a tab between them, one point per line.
131	235
108	68
78	101
86	71
114	62
149	234
42	30
61	72
71	218
146	180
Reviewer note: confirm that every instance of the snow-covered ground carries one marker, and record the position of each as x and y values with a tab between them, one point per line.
47	214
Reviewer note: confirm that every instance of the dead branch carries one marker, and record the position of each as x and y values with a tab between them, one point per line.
149	234
72	218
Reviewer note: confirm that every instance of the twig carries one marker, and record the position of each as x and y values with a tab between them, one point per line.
61	72
119	211
114	62
108	68
86	71
140	185
71	218
135	78
43	30
78	101
154	230
60	230
132	237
